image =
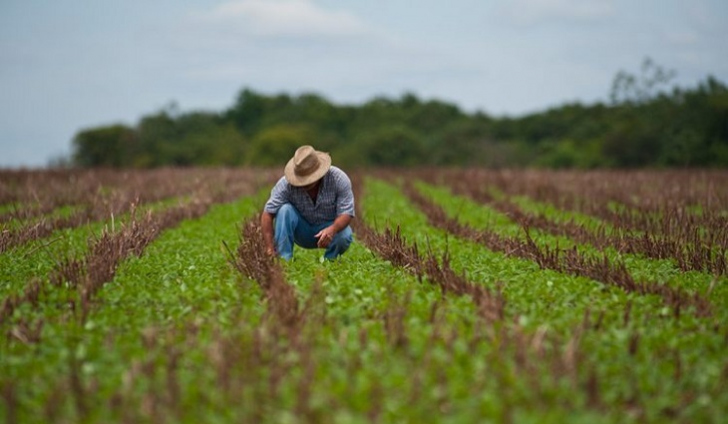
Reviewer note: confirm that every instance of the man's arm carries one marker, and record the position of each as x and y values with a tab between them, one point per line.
341	222
278	196
327	234
266	227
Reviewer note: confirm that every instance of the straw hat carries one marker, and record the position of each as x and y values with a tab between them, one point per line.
307	166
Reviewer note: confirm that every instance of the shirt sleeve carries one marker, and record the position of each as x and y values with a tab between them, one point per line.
344	195
278	196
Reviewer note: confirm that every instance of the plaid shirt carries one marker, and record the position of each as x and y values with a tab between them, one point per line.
334	198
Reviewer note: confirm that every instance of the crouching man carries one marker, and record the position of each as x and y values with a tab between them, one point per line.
311	206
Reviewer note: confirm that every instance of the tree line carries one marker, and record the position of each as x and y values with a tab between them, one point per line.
644	124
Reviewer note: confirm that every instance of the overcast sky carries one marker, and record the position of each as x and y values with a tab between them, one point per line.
71	64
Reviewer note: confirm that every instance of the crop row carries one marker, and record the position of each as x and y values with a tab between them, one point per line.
72	337
86	275
684	223
641	266
97	197
568	260
659	203
527	353
31	193
559	302
254	363
596	192
419	321
53	246
89	273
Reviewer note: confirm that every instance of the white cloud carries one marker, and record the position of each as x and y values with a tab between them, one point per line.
529	12
288	18
281	44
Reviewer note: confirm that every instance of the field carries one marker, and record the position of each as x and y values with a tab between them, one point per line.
468	295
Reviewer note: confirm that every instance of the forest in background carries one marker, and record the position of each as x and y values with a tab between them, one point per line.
645	123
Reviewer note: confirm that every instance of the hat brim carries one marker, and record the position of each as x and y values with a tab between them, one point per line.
295	180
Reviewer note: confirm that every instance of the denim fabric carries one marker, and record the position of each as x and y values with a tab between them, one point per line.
291	228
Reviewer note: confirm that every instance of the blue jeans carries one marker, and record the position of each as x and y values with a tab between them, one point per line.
291	228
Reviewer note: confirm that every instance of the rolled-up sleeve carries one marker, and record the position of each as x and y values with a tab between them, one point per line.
344	195
278	196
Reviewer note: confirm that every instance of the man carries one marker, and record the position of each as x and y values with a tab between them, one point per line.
312	205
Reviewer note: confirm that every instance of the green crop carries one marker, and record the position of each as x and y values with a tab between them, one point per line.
545	298
179	334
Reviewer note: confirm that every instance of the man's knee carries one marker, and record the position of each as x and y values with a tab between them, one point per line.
286	210
343	239
347	234
287	216
339	244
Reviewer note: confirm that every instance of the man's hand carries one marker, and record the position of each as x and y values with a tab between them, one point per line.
266	227
325	236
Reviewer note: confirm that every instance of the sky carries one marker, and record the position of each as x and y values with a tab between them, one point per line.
68	65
